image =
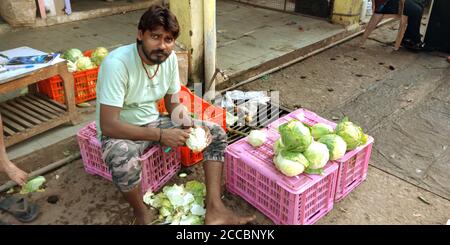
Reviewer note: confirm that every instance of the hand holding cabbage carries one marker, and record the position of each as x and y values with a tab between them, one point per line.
174	137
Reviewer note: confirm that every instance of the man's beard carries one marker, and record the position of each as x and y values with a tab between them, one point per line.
157	56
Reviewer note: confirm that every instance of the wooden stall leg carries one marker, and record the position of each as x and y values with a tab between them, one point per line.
69	93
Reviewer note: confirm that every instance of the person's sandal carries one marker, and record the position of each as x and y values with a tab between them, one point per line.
413	46
406	42
20	208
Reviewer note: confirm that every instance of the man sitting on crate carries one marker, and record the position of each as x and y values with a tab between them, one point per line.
131	80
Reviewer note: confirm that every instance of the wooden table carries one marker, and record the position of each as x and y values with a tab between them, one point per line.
31	114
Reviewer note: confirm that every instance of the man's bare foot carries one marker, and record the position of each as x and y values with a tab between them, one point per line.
14	173
221	215
145	218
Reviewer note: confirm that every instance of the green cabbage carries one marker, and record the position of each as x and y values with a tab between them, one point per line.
84	63
278	146
72	54
71	66
179	205
33	185
290	163
99	55
191	220
335	144
320	129
295	136
317	155
177	195
256	138
197	189
352	134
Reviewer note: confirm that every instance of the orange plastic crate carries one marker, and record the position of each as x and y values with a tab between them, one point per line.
53	87
205	111
189	158
85	83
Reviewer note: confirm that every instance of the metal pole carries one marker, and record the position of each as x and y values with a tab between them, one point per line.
209	13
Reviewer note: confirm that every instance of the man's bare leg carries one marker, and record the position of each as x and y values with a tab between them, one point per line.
14	173
141	212
216	212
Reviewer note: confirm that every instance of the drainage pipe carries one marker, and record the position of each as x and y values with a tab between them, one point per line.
8	185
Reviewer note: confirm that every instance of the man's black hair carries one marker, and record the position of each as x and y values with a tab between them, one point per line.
157	16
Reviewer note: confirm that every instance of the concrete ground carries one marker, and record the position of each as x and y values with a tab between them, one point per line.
90	9
400	98
385	92
110	32
266	35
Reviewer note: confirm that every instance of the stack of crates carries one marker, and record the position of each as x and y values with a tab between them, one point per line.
353	165
303	199
85	83
298	200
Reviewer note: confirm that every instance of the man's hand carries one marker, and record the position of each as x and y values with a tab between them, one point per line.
174	137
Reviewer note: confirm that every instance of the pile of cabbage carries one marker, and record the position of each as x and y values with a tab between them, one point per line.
76	61
179	204
307	149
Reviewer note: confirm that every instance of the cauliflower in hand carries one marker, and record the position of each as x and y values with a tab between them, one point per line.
197	140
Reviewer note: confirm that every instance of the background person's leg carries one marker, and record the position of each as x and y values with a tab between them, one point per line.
14	173
414	12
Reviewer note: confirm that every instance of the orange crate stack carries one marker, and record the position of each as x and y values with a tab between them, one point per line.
85	83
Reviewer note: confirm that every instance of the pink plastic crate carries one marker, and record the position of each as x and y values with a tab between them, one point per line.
158	167
353	165
353	169
303	115
298	200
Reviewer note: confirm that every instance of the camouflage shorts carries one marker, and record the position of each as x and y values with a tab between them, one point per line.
122	156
